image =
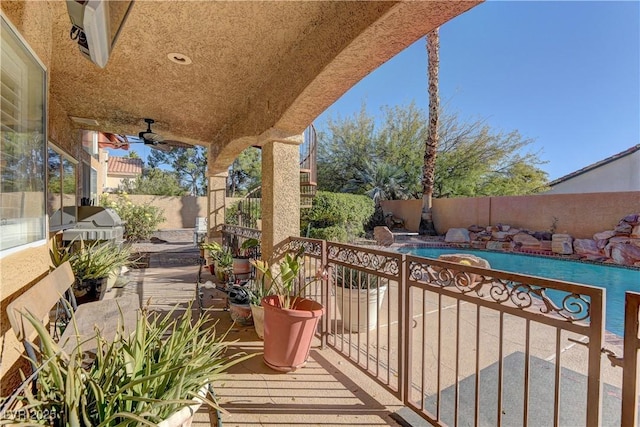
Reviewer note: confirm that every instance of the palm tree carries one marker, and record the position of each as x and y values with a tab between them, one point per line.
431	143
380	181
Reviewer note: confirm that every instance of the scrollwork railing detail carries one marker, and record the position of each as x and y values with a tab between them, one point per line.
366	260
572	307
248	233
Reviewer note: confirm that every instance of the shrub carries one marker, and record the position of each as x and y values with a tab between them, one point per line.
337	216
140	220
334	233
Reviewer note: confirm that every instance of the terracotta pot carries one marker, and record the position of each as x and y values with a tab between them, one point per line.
257	311
241	314
288	333
241	268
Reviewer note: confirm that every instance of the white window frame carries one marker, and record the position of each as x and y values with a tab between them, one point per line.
44	217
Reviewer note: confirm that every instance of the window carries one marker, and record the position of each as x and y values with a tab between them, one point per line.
89	185
61	191
22	143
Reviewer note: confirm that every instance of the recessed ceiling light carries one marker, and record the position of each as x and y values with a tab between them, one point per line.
179	58
84	121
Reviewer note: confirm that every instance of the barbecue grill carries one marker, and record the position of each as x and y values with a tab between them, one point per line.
96	223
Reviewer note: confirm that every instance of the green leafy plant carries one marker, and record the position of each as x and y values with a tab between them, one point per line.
98	259
137	379
247	248
224	264
140	220
214	248
283	279
337	217
351	278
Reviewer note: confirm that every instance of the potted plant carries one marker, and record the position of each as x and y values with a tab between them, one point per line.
224	265
158	375
290	321
258	289
241	263
359	297
95	265
213	250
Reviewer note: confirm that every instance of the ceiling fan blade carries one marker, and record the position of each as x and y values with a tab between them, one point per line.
160	146
176	144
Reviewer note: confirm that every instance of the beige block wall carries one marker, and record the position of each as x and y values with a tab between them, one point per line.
180	212
408	210
580	215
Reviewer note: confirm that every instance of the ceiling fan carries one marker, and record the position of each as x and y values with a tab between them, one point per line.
157	141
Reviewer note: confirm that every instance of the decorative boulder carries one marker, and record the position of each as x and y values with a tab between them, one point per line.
383	236
625	254
526	240
604	235
500	236
562	244
633	219
586	247
623	228
542	235
635	232
457	235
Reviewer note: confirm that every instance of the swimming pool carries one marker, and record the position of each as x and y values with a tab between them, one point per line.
616	280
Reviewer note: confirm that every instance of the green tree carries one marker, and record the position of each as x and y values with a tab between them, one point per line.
155	182
245	173
380	181
472	159
189	165
343	149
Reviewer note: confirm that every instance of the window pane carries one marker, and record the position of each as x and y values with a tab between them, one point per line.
22	144
68	191
54	202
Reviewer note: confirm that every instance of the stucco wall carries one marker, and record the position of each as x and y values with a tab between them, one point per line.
620	175
180	212
580	215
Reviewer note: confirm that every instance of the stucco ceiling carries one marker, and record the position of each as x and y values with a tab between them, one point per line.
255	65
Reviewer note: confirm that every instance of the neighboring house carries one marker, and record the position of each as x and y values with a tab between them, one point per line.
620	172
120	168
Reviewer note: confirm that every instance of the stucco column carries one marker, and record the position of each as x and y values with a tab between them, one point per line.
215	206
280	193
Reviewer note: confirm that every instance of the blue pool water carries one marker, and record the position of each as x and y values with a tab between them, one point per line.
616	280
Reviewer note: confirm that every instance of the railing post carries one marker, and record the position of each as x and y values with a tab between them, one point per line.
594	383
404	342
325	296
630	359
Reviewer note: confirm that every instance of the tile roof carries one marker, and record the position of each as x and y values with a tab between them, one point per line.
124	166
595	165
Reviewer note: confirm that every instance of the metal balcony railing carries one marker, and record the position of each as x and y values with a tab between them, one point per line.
463	345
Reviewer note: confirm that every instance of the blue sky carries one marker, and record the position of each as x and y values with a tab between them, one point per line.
564	73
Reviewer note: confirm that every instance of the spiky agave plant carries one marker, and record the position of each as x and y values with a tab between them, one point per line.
137	379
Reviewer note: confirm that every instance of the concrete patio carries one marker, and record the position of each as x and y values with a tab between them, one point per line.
329	391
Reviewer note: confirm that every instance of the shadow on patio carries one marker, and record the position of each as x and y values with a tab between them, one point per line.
328	391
